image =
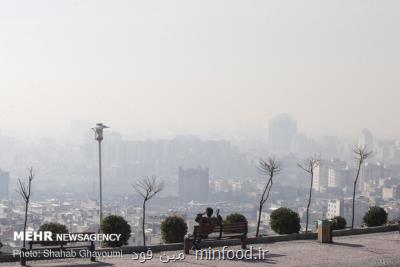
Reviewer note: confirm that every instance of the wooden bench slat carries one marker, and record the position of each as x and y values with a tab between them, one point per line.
233	227
223	229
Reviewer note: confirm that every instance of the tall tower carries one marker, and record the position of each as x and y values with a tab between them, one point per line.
193	184
282	132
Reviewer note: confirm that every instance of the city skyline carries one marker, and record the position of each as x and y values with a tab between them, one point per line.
80	130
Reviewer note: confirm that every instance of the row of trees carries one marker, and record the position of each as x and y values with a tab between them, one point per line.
272	167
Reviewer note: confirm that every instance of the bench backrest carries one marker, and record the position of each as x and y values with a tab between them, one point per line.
226	228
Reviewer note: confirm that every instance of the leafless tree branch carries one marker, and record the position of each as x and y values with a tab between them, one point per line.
147	188
361	153
310	164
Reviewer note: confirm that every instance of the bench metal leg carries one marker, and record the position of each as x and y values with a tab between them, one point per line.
22	257
92	250
243	241
186	245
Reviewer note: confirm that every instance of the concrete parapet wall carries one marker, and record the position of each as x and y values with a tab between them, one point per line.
250	241
367	230
264	239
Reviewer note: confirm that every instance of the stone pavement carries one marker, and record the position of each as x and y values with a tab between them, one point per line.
381	249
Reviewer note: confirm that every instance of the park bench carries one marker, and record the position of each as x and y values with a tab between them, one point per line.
58	246
209	232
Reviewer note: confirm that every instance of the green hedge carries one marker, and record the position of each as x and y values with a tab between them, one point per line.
375	216
173	229
285	221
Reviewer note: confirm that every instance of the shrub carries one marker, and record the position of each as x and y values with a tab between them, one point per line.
54	228
235	217
285	221
173	229
375	216
114	224
338	223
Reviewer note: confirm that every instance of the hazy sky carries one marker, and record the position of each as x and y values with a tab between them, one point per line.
200	66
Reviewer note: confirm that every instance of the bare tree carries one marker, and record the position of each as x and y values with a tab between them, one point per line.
147	188
361	154
270	168
309	167
25	192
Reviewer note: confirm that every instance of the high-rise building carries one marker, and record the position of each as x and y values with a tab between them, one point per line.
321	173
4	184
335	208
366	139
282	132
193	184
324	173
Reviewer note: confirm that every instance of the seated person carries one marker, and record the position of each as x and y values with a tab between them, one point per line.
209	218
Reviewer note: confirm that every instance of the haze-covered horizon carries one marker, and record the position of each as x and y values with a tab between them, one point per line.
200	67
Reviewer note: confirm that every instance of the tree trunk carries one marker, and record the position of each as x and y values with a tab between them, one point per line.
143	222
309	201
269	190
259	217
25	222
262	201
354	193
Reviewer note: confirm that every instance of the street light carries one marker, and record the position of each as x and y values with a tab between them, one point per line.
98	136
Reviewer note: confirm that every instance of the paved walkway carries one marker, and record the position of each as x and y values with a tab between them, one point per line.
381	249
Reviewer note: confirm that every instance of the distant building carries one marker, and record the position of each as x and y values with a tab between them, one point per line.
389	193
344	208
282	132
221	185
366	139
193	184
340	178
335	208
329	173
372	191
321	173
4	184
371	173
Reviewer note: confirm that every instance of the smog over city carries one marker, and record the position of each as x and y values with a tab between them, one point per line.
144	115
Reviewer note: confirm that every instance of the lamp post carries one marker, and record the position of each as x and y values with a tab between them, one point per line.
98	136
